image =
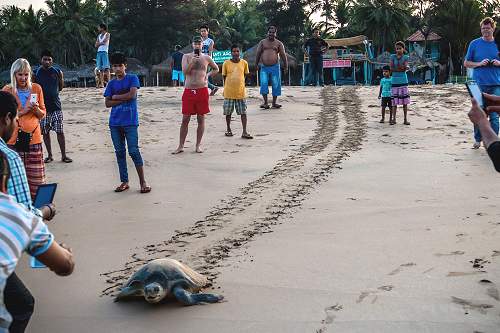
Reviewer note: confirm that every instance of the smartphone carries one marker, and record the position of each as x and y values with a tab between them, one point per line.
33	98
475	92
197	52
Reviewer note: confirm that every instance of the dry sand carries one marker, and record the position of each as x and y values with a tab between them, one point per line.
326	222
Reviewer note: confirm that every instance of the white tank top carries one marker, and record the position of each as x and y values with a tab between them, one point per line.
104	47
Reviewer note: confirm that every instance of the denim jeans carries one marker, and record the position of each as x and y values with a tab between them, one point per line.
275	72
315	69
120	134
19	302
492	90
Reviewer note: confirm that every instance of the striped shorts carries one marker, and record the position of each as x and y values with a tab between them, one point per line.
52	121
240	105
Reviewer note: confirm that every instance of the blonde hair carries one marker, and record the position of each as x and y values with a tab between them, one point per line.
20	65
490	21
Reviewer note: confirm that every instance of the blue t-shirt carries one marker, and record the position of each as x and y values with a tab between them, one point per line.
386	85
479	49
49	80
399	78
24	96
177	59
124	114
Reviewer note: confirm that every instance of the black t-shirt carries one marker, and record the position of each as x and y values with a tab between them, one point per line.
49	80
314	45
494	152
177	59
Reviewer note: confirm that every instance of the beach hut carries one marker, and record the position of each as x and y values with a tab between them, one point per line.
428	48
135	66
162	72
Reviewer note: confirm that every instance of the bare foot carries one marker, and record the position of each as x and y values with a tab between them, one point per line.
177	151
199	150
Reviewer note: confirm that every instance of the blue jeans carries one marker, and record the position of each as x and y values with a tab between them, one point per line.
492	90
120	134
275	73
316	69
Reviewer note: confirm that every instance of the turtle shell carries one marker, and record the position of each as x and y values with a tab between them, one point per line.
168	273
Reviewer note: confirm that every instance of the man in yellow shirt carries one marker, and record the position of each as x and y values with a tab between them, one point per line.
234	72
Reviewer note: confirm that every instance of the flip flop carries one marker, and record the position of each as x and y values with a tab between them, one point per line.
229	133
146	189
276	106
246	136
48	160
121	188
264	106
66	160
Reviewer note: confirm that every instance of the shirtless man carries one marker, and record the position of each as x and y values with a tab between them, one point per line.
270	51
195	97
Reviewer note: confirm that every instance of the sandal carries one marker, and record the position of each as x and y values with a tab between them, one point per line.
264	106
229	133
246	136
66	160
122	187
48	160
146	189
276	106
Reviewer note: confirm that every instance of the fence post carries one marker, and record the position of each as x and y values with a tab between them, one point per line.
157	79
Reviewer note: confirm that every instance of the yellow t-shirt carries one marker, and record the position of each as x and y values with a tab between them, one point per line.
234	83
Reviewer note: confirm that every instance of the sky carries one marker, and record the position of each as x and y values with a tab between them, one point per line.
37	4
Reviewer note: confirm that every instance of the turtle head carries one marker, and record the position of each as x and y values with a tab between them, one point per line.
154	292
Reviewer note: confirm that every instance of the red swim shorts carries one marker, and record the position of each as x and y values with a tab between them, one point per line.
195	102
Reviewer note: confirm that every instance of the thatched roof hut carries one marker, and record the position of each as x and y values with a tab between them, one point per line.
250	54
164	66
135	66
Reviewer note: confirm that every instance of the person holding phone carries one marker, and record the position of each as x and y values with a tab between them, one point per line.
480	120
27	136
483	56
22	231
195	97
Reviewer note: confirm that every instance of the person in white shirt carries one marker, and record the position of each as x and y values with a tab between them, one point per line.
102	59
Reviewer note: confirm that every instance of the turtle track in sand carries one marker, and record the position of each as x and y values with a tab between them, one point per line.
341	125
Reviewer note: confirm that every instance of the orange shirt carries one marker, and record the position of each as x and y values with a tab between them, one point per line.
29	122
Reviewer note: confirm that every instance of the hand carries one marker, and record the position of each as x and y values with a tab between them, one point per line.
493	102
285	70
476	114
495	62
379	97
48	212
485	62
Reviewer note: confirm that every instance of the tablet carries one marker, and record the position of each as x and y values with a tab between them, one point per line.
44	195
475	93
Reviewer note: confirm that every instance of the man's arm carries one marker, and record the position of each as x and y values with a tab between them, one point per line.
211	48
127	96
188	65
213	66
258	54
281	50
58	258
110	103
60	76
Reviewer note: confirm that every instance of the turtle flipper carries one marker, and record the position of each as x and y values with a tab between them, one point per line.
188	298
130	291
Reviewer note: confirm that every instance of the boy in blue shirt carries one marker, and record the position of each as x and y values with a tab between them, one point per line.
121	96
386	94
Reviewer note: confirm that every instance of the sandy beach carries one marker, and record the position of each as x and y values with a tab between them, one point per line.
327	221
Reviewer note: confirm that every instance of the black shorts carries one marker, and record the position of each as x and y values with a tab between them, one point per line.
386	102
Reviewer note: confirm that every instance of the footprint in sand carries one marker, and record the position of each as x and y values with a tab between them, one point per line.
397	270
491	289
470	305
454	253
365	294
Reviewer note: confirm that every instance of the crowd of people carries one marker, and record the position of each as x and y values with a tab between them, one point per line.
30	108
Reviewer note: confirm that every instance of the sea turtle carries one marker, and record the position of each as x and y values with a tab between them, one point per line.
162	278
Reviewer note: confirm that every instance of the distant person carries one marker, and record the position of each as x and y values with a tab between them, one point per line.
234	72
52	82
480	121
385	93
483	56
27	137
269	51
315	47
22	231
399	81
195	97
176	67
121	96
19	301
207	47
102	59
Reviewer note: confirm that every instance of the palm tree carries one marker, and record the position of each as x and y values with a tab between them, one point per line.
383	21
75	23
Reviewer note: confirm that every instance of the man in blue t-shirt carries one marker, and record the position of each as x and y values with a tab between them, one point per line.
121	96
176	66
52	82
483	56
